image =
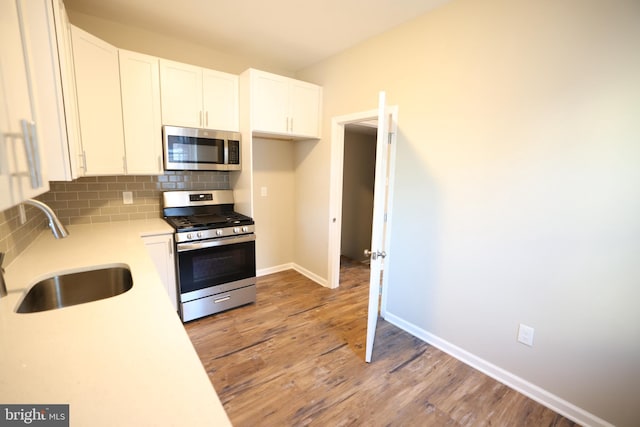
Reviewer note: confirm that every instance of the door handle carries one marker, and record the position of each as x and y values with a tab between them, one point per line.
374	255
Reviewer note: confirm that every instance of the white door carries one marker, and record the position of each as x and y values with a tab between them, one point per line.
380	201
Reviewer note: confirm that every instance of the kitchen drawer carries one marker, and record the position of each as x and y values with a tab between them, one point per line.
219	302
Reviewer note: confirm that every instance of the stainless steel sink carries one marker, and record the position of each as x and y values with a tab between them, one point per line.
76	288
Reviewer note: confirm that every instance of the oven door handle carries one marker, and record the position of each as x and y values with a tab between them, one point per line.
222	241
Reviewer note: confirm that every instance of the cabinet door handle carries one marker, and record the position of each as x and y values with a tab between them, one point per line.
206	119
159	163
30	139
170	244
200	118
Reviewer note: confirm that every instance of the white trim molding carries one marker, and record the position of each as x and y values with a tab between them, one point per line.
530	390
310	275
274	269
292	266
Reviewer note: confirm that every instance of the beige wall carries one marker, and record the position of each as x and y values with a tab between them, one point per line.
357	193
273	212
517	193
139	40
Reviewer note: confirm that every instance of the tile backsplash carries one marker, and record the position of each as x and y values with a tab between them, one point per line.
15	237
99	199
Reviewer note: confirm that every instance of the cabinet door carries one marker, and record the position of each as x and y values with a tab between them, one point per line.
69	96
140	89
160	249
99	104
269	102
47	34
181	92
21	175
305	109
220	100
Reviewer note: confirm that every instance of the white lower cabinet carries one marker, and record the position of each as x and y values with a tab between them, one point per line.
160	248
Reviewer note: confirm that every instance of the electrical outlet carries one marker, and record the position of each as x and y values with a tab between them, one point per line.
264	192
127	197
525	335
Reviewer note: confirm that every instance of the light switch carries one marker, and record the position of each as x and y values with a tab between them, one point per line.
263	191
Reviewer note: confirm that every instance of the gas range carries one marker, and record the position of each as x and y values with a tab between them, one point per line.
200	215
215	252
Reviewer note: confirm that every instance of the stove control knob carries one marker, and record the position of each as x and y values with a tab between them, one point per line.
218	232
199	234
189	236
245	229
236	229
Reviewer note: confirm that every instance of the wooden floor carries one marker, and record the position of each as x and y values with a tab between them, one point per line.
296	358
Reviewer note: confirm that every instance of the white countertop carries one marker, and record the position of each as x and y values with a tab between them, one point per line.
124	360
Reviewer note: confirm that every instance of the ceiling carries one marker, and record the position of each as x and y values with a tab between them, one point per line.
293	34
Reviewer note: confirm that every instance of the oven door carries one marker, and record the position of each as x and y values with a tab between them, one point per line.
212	266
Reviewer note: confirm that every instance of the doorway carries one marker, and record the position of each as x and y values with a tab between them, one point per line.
385	120
357	190
339	127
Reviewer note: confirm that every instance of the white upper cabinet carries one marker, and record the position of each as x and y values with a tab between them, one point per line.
181	90
305	108
284	106
21	174
140	90
49	41
220	100
198	97
269	102
99	103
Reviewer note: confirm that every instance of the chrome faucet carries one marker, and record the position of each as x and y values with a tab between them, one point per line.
57	228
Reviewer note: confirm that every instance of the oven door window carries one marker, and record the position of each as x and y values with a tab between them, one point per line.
202	268
188	149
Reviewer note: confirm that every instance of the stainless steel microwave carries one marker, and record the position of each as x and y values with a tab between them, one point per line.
200	149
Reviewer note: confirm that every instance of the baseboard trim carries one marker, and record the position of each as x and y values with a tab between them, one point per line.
530	390
274	269
292	266
310	275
